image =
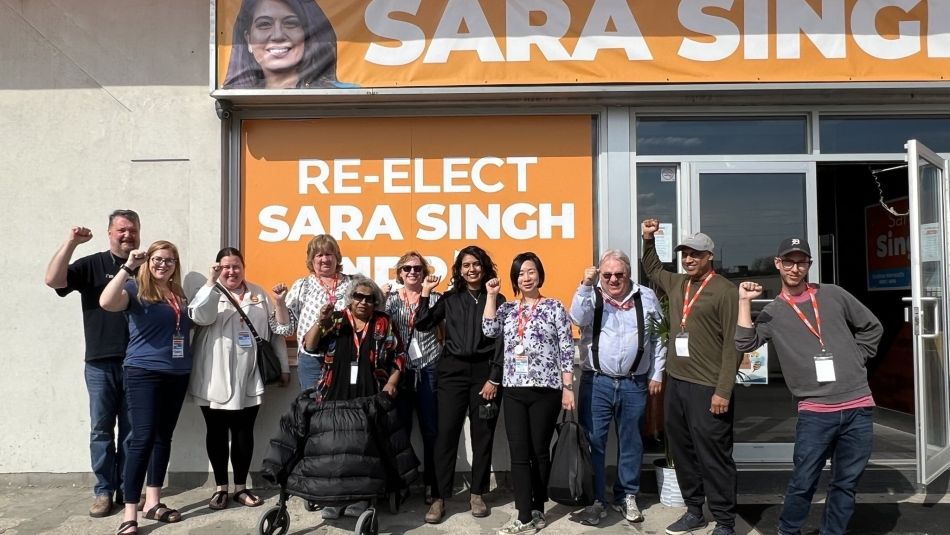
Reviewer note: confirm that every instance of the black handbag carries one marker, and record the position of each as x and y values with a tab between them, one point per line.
572	474
268	365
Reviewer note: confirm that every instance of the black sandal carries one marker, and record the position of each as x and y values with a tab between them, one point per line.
219	500
255	500
163	513
126	525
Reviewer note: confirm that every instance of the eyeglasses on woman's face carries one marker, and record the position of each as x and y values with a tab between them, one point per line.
407	269
162	261
364	298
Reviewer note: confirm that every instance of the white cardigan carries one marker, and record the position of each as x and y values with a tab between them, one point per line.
224	375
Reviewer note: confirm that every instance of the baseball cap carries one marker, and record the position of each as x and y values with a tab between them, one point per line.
697	242
794	245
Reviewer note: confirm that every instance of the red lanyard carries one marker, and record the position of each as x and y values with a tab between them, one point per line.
816	330
410	308
688	303
522	319
626	305
173	302
331	290
356	339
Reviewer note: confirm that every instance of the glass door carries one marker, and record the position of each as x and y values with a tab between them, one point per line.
747	208
927	174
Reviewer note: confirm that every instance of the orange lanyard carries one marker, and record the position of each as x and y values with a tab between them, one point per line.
330	289
816	330
522	319
410	309
356	339
688	303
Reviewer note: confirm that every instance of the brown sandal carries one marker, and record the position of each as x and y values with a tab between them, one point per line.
219	500
126	525
253	499
163	513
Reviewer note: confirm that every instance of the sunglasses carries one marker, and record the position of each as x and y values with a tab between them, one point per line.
407	269
365	298
608	276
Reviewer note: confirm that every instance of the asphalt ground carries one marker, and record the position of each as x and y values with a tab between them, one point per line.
28	509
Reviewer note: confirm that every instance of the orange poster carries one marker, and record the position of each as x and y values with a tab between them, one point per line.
383	186
327	44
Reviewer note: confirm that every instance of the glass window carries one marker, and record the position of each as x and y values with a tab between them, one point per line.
722	135
656	198
863	135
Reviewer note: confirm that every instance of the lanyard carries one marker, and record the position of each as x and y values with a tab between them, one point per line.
356	339
410	309
330	289
173	302
688	303
522	319
816	330
627	304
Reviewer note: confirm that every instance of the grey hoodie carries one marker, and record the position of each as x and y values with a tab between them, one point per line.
851	333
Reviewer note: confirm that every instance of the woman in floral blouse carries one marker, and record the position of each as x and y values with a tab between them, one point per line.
538	379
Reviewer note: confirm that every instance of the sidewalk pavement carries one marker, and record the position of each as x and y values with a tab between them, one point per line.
64	510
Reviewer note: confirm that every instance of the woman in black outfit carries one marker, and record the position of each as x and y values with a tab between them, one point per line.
468	375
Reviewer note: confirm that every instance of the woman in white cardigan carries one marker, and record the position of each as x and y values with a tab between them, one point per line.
225	381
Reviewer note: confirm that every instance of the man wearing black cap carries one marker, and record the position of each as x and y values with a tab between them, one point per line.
701	364
823	337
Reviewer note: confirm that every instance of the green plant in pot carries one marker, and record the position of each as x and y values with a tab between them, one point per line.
660	327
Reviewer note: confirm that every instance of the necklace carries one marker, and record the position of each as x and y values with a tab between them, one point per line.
475	295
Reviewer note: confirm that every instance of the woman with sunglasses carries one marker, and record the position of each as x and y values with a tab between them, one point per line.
538	380
361	353
326	284
468	378
423	348
157	365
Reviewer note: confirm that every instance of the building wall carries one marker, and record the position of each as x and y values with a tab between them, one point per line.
103	105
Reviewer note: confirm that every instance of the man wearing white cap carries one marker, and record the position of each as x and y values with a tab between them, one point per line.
701	363
823	337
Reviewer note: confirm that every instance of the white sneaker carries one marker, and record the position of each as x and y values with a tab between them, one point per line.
629	509
515	526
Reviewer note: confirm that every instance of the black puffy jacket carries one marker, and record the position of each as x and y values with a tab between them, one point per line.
340	450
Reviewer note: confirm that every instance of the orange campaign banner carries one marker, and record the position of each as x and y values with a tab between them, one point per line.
436	43
384	186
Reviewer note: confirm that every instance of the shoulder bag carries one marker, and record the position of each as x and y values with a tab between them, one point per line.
268	365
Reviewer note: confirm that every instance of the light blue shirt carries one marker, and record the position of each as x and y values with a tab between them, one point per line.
618	333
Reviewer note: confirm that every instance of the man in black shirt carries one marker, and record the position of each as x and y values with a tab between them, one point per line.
107	336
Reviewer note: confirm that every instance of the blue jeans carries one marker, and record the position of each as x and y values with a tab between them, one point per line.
624	400
106	406
309	370
421	397
155	400
846	437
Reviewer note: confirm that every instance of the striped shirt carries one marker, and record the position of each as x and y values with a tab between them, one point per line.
428	343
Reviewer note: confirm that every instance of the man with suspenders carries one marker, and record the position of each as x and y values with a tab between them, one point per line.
622	360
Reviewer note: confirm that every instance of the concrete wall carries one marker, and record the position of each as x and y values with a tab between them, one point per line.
103	105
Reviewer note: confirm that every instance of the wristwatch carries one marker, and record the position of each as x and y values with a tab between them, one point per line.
567	386
127	269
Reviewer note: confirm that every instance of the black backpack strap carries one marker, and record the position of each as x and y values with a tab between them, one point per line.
598	321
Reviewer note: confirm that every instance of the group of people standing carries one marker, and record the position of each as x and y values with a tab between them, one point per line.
445	357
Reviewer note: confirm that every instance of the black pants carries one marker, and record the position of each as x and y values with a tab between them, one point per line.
155	400
240	426
530	417
701	444
458	386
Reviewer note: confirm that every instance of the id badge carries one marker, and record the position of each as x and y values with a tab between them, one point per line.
825	367
244	339
415	352
178	346
682	344
354	371
521	365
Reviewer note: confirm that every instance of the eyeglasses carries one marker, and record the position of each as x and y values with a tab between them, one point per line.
364	298
407	269
160	261
788	264
608	276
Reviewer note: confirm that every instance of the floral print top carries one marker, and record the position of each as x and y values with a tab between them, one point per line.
548	344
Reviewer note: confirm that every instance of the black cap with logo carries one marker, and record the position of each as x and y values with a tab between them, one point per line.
793	245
